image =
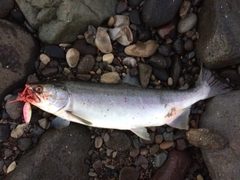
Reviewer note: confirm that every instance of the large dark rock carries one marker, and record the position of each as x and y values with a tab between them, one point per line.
222	115
18	51
219	28
6	7
60	154
159	12
62	20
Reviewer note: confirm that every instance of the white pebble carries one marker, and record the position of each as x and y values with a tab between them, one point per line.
44	59
108	58
72	57
18	132
11	167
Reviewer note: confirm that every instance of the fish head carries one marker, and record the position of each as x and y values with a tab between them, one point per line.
48	97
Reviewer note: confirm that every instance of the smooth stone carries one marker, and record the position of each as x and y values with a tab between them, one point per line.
168	136
161	74
8	153
178	46
90	34
4	132
54	51
167	31
184	9
159	61
121	7
84	48
44	123
37	131
175	69
44	59
126	37
103	41
121	21
49	71
145	72
72	57
222	116
188	45
86	64
166	144
154	149
156	13
129	61
18	131
128	173
98	142
110	78
6	7
63	20
219	46
111	21
134	152
145	34
97	164
165	49
158	138
19	50
135	17
11	167
57	149
59	123
141	160
187	23
159	160
108	58
170	81
24	143
14	109
181	144
176	166
145	49
118	141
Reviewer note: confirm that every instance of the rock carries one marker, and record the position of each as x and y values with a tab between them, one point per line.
161	74
118	141
84	48
166	144
145	72
232	75
55	19
59	123
72	57
44	123
178	46
98	142
134	152
219	46
129	61
181	144
128	173
154	149
187	23
24	143
86	64
121	7
160	62
141	160
11	167
44	59
134	2
103	41
176	166
121	21
18	53
6	7
110	77
175	69
126	37
108	58
14	109
135	17
188	45
157	13
63	149
160	159
54	51
165	49
90	34
4	132
167	31
49	71
158	138
222	116
18	131
184	9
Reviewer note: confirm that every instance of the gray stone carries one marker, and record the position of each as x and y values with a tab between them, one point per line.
59	155
6	7
118	141
145	72
219	45
18	51
86	64
160	159
14	109
187	23
24	143
4	132
222	116
128	173
157	13
62	20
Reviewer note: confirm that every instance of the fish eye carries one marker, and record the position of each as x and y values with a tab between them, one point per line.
38	89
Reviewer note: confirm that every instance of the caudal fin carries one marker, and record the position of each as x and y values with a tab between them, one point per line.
217	87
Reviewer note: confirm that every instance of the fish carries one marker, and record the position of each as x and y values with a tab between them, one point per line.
120	106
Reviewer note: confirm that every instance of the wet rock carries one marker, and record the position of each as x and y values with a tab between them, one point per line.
181	144
4	132
159	61
165	49
110	77
222	116
219	46
59	123
84	48
8	153
145	49
154	149
86	64
24	143
187	23
145	72
157	13
134	152
14	109
160	159
44	162
158	138
176	166
54	51
103	41
18	51
11	167
141	160
6	7
161	74
72	57
73	19
118	141
128	173
44	123
49	71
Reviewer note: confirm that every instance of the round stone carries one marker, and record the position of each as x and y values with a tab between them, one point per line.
86	64
108	58
103	41
118	141
110	77
166	144
98	142
158	138
188	23
44	59
72	57
160	159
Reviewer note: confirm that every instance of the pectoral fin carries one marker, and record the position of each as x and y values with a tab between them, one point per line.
141	132
181	122
74	118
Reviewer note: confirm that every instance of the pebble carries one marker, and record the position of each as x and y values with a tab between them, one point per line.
161	74
176	69
90	35
145	49
168	136
165	49
188	45
11	167
145	72
130	62
166	144
54	51
128	173
181	144
108	58
144	152
187	23
84	48
4	132
121	7
8	153
111	21
141	160
167	31
37	131
159	160
18	131
199	177
135	17
118	141
72	57
158	138
178	46
14	110
106	137
98	142
110	78
170	81
97	164
24	143
44	123
184	9
103	41
121	21
92	174
159	61
44	59
232	75
126	36
83	77
86	64
134	152
154	149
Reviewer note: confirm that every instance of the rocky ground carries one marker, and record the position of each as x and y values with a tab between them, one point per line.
161	44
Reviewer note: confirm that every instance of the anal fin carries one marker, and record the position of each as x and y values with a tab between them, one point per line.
181	122
74	118
141	132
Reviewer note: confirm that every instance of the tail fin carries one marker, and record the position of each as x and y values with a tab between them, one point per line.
217	87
